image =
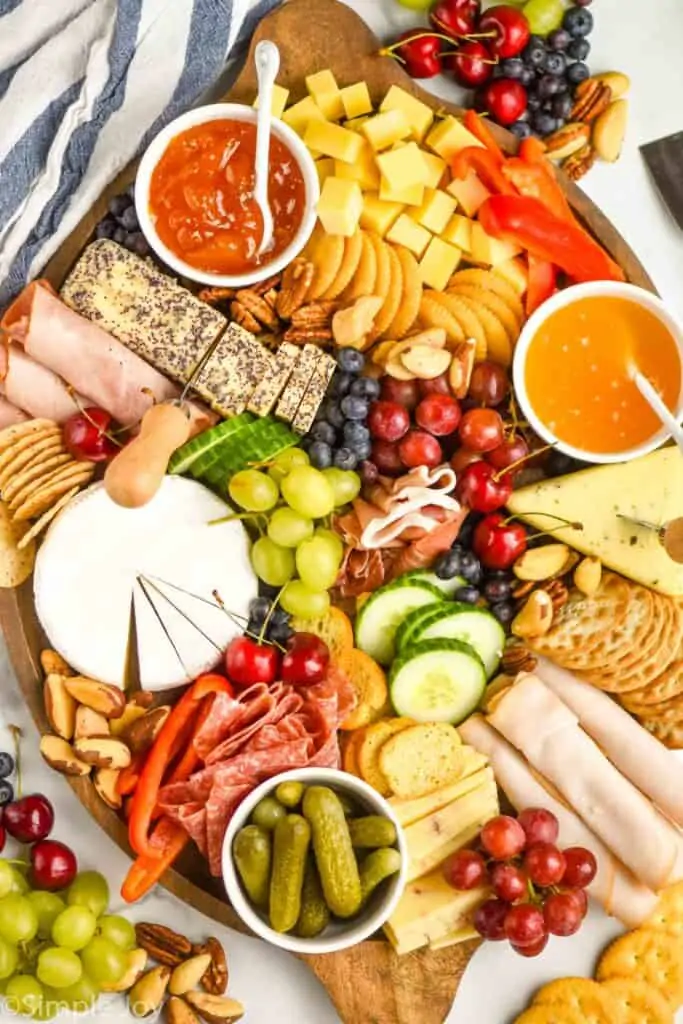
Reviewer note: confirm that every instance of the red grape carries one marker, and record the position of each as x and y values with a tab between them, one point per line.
581	867
544	864
512	450
533	949
418	448
509	882
481	429
581	899
405	392
436	386
489	383
466	869
439	414
540	825
386	457
503	837
524	924
489	919
463	458
562	913
388	421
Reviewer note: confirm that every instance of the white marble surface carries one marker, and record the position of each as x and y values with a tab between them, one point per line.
643	40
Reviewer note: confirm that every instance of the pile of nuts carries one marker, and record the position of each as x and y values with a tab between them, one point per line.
597	125
544	575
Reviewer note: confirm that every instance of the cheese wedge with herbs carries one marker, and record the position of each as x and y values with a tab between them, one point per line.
649	488
409	811
429	910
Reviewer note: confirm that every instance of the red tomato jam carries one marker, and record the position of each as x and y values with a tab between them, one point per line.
201	197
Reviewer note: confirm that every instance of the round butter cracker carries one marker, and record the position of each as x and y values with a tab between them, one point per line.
655	957
583	996
635	1002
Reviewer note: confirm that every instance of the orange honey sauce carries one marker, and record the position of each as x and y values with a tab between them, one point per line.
201	197
578	373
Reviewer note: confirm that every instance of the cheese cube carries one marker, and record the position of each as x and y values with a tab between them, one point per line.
490	251
355	123
356	100
436	210
470	192
340	206
377	214
418	115
458	232
435	168
515	272
403	167
364	170
412	196
280	97
383	130
438	263
324	89
325	168
407	233
332	140
449	136
301	114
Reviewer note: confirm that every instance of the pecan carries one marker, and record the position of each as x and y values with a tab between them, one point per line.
579	163
212	296
271	297
516	658
567	140
258	307
315	314
215	980
244	318
304	335
163	944
262	287
558	593
523	590
296	281
590	99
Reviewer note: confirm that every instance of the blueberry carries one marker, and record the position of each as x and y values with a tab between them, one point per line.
534	52
258	610
6	764
544	123
345	458
557	463
497	590
555	63
559	39
470	567
280	632
355	408
470	595
512	67
117	205
578	49
363	450
279	616
504	611
265	590
521	129
6	792
341	382
332	414
366	387
355	433
534	102
129	219
527	76
548	86
138	244
324	431
320	455
467	530
448	564
350	360
578	22
577	72
120	236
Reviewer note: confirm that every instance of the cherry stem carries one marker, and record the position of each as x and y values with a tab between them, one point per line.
86	416
234	617
16	737
564	524
273	605
520	461
467	56
390	51
481	35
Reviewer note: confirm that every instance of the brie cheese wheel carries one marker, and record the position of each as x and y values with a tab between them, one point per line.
89	569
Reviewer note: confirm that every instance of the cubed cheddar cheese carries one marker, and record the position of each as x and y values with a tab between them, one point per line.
470	192
403	167
356	100
407	233
490	251
438	263
354	125
301	114
436	210
280	97
324	89
364	169
378	215
412	196
325	167
333	140
458	232
418	115
515	272
383	130
340	206
435	169
449	136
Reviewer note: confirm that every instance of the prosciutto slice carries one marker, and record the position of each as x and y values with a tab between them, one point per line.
10	414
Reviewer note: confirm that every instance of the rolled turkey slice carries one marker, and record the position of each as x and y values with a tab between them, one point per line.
10	414
614	886
548	734
31	386
630	748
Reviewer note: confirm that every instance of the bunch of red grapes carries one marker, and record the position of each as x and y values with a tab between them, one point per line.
539	890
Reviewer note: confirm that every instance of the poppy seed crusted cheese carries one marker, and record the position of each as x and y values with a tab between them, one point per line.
234	371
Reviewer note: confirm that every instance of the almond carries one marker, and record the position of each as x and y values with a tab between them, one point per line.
609	131
187	975
351	327
61	756
89	723
104	781
53	663
395	368
618	82
215	1009
141	734
148	992
102	751
108	700
60	707
177	1011
587	576
542	563
433	337
426	363
137	961
535	618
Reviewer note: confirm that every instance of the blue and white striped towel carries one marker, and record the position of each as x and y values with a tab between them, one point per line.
84	85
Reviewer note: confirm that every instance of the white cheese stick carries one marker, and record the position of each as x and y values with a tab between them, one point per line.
614	887
630	748
544	729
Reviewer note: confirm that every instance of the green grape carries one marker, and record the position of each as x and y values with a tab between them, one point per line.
18	919
58	968
544	16
6	878
285	462
333	539
272	563
317	562
48	906
253	491
9	958
50	1005
345	484
117	930
298	599
306	490
416	5
104	962
23	995
19	883
80	996
74	928
89	889
288	528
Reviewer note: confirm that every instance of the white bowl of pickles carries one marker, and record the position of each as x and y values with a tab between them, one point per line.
314	860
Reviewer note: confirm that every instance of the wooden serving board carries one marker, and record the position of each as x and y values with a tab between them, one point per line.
368	984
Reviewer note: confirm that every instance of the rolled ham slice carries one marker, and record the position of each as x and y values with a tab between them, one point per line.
31	386
630	748
548	734
10	414
614	886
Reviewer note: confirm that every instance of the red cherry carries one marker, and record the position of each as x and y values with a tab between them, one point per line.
471	64
306	660
248	662
524	924
388	421
418	448
3	838
420	53
512	450
510	30
84	436
482	488
465	869
405	392
581	867
503	837
540	826
563	913
29	819
505	99
455	18
53	865
463	458
497	543
544	864
533	949
386	457
482	430
436	386
438	414
489	919
508	882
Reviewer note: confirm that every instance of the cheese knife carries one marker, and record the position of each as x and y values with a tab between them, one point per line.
664	160
670	534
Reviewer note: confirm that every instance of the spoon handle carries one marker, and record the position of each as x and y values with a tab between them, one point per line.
267	59
663	412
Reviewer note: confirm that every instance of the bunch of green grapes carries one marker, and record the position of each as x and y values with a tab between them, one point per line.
298	552
58	951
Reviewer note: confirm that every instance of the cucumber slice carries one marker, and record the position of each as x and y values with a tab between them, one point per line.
474	626
437	681
448	587
405	634
382	614
206	446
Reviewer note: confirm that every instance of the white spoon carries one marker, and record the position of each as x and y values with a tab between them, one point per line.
267	59
654	400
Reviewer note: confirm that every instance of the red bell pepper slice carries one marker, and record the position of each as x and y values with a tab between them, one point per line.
167	840
537	180
527	222
130	776
542	283
190	759
478	127
485	165
532	151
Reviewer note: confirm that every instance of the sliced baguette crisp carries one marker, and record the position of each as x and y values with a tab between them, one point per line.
369	751
421	759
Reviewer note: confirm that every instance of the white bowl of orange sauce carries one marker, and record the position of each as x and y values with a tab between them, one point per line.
194	196
573	370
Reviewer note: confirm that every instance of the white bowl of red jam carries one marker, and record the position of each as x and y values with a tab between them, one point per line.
194	196
573	370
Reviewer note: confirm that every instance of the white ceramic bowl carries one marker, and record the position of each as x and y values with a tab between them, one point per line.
564	298
338	934
219	112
